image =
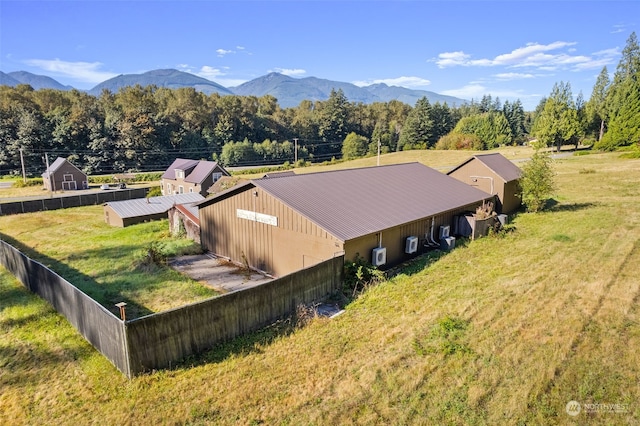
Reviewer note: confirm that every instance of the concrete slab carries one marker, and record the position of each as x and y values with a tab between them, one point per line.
220	274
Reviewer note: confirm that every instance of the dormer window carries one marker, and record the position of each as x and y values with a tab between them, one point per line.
179	174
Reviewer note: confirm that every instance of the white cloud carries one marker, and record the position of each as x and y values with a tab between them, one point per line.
450	59
534	55
619	28
88	72
210	72
408	82
222	52
508	76
290	71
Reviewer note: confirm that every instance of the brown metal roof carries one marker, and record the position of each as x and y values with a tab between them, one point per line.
498	163
356	202
179	164
202	171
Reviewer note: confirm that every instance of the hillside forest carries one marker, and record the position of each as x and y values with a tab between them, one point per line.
146	128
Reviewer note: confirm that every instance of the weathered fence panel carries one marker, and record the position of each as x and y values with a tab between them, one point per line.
160	340
66	201
101	328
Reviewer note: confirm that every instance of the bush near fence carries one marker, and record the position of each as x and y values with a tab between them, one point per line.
160	340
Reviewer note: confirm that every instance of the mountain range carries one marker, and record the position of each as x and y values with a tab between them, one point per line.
287	90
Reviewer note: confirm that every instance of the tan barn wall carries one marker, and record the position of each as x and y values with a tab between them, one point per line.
507	201
111	217
512	199
394	239
293	244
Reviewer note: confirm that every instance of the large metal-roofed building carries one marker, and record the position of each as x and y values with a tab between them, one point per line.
281	225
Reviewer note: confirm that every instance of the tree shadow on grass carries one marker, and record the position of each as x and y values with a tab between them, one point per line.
553	205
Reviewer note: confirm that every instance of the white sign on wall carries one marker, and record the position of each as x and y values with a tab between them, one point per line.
257	217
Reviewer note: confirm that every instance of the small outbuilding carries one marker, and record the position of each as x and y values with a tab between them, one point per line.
191	176
384	214
495	175
61	175
128	212
184	220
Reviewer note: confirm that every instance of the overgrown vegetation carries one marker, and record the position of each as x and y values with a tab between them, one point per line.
359	275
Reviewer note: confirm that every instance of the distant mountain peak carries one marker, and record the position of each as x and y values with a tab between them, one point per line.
289	91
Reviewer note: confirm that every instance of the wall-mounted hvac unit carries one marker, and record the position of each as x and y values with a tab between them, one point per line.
411	245
379	256
444	231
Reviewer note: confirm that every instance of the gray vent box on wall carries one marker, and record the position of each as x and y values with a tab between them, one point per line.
411	245
379	256
444	231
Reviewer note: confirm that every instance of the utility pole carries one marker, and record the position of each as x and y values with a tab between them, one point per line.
24	175
49	176
378	151
295	150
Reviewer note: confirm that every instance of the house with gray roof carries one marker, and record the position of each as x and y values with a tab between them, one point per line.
495	175
191	176
128	212
384	214
61	175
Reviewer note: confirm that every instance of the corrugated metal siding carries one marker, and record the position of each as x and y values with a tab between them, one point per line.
291	245
152	205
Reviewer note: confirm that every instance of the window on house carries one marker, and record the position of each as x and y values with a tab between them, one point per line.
179	174
190	189
180	189
216	176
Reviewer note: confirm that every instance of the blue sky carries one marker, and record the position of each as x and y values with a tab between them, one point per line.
508	49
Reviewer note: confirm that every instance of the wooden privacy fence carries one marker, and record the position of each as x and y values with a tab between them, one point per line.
66	201
162	339
101	328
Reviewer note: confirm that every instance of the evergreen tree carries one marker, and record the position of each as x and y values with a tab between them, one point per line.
417	130
557	124
622	99
597	105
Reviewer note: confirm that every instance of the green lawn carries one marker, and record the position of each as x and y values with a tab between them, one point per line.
503	330
109	264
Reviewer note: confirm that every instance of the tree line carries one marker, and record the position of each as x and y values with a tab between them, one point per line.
146	128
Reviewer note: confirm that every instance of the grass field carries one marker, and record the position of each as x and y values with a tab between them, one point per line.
109	264
503	330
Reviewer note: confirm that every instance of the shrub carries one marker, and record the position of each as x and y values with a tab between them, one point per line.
537	181
459	141
360	274
30	182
